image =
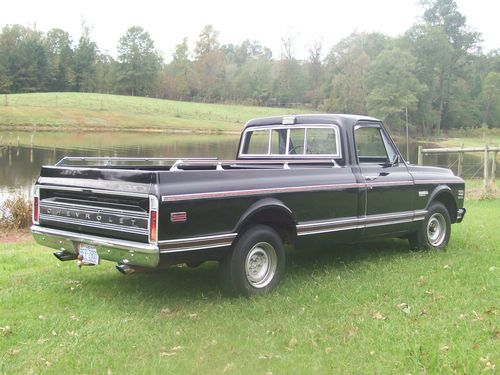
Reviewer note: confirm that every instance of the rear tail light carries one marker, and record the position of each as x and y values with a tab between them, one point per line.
153	219
152	226
36	206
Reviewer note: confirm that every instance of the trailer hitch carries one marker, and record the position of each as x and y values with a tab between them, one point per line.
64	256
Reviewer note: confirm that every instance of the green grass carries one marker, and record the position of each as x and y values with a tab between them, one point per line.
81	111
365	309
468	138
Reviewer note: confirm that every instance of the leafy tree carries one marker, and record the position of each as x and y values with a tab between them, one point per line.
346	66
290	80
139	61
5	82
254	82
208	41
314	73
27	61
491	98
60	56
444	22
239	54
85	58
105	73
180	70
209	65
344	87
393	86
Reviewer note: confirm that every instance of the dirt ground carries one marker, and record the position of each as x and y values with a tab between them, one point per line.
14	235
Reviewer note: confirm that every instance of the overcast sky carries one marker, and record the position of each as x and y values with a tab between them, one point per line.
263	20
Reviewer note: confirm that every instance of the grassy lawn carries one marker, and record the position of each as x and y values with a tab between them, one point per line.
365	309
80	111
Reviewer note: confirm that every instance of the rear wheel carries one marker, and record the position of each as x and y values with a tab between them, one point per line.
256	263
434	232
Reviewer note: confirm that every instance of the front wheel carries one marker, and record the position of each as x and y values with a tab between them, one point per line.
434	232
256	263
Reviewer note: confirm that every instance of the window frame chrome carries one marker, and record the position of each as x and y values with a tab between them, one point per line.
270	128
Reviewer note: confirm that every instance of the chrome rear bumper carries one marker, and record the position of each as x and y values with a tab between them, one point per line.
460	214
120	251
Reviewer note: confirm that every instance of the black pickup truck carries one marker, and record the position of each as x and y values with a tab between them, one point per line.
340	177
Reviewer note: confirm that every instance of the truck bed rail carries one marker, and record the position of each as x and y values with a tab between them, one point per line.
179	164
107	161
232	164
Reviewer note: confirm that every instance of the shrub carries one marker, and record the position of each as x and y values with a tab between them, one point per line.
15	213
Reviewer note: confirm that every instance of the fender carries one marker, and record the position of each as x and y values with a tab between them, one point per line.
261	205
445	190
438	190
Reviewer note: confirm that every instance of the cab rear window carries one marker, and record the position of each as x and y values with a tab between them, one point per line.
292	141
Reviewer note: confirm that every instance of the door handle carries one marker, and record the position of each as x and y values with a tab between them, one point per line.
370	178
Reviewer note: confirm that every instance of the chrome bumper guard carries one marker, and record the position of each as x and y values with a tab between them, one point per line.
460	214
120	251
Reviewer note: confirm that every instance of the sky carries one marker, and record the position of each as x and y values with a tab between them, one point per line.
168	22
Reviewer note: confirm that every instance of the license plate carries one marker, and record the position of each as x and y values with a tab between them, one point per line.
89	254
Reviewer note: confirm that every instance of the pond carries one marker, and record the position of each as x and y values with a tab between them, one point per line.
20	162
23	153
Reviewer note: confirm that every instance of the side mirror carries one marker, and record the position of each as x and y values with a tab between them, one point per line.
395	160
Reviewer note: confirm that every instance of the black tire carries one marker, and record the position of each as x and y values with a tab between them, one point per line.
434	232
256	263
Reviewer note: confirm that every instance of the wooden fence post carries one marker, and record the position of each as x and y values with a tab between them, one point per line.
485	182
460	162
420	160
493	168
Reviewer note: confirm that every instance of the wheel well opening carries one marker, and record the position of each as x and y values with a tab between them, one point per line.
277	219
449	203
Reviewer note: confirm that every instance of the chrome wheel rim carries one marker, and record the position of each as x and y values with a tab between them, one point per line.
260	264
436	229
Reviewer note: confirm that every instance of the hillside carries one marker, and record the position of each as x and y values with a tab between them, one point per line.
82	111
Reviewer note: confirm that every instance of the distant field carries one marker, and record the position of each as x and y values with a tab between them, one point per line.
80	111
472	138
374	308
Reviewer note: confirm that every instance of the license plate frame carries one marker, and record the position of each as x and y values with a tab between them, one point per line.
89	254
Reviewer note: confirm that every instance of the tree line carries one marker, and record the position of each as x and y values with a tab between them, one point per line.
435	72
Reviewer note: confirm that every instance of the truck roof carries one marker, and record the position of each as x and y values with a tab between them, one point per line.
343	120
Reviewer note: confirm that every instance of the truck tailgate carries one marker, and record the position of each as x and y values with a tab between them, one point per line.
106	202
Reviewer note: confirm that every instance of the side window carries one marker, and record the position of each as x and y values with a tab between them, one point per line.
258	142
370	145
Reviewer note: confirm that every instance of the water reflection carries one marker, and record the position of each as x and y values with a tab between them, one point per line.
21	156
